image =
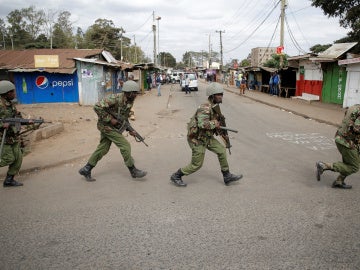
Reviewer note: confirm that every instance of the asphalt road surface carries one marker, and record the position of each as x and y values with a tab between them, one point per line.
277	217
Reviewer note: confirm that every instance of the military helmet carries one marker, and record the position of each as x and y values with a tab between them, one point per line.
214	88
130	86
6	86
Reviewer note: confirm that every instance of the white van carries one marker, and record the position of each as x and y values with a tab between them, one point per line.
175	76
193	81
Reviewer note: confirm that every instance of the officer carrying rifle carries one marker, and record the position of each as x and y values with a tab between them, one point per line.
207	122
113	112
10	131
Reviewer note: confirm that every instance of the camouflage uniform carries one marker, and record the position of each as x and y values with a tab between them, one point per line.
11	154
118	104
347	139
201	130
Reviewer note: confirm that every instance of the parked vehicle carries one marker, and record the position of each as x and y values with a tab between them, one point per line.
175	76
193	81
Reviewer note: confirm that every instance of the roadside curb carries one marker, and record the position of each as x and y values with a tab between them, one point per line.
286	109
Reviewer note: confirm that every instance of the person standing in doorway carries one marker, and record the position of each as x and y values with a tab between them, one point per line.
148	82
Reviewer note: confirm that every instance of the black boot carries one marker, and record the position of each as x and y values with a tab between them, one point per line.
86	172
11	182
340	183
176	178
321	167
229	177
136	173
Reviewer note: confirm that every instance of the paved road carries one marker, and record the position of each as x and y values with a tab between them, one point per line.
277	217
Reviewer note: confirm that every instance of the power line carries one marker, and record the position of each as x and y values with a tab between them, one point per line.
271	11
296	44
271	39
141	25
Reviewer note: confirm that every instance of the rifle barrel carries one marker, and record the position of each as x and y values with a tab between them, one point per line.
229	129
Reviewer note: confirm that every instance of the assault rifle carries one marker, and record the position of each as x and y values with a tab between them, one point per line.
125	125
223	129
17	122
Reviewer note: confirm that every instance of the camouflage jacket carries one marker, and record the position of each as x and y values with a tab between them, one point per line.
202	125
117	104
349	132
8	110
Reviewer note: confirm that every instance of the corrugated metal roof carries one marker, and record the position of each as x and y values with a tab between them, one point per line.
304	56
337	50
23	60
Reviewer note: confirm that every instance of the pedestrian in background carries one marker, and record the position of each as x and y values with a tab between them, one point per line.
201	129
148	82
187	83
158	84
276	84
243	85
132	111
271	87
11	154
109	126
347	140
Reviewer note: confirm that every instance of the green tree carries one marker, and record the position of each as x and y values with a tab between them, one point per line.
17	31
167	60
348	12
79	39
4	34
274	62
319	48
245	63
102	34
63	31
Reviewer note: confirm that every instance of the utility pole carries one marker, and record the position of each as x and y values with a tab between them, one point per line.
221	50
209	60
154	32
282	16
135	50
121	47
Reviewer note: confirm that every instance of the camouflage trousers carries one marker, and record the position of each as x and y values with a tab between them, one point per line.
198	155
350	161
106	138
12	157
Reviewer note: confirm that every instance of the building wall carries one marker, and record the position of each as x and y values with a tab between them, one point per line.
309	78
352	88
333	83
260	55
41	87
92	84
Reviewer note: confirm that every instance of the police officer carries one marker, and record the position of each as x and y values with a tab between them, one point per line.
201	129
11	154
347	140
118	104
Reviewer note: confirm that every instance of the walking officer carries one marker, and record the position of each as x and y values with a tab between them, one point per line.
201	129
120	105
347	139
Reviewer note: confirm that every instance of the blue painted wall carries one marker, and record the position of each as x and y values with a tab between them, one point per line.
40	87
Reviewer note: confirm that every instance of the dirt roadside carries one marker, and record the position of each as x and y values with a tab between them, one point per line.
78	138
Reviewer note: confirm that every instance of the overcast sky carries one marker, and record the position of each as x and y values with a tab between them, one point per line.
191	25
